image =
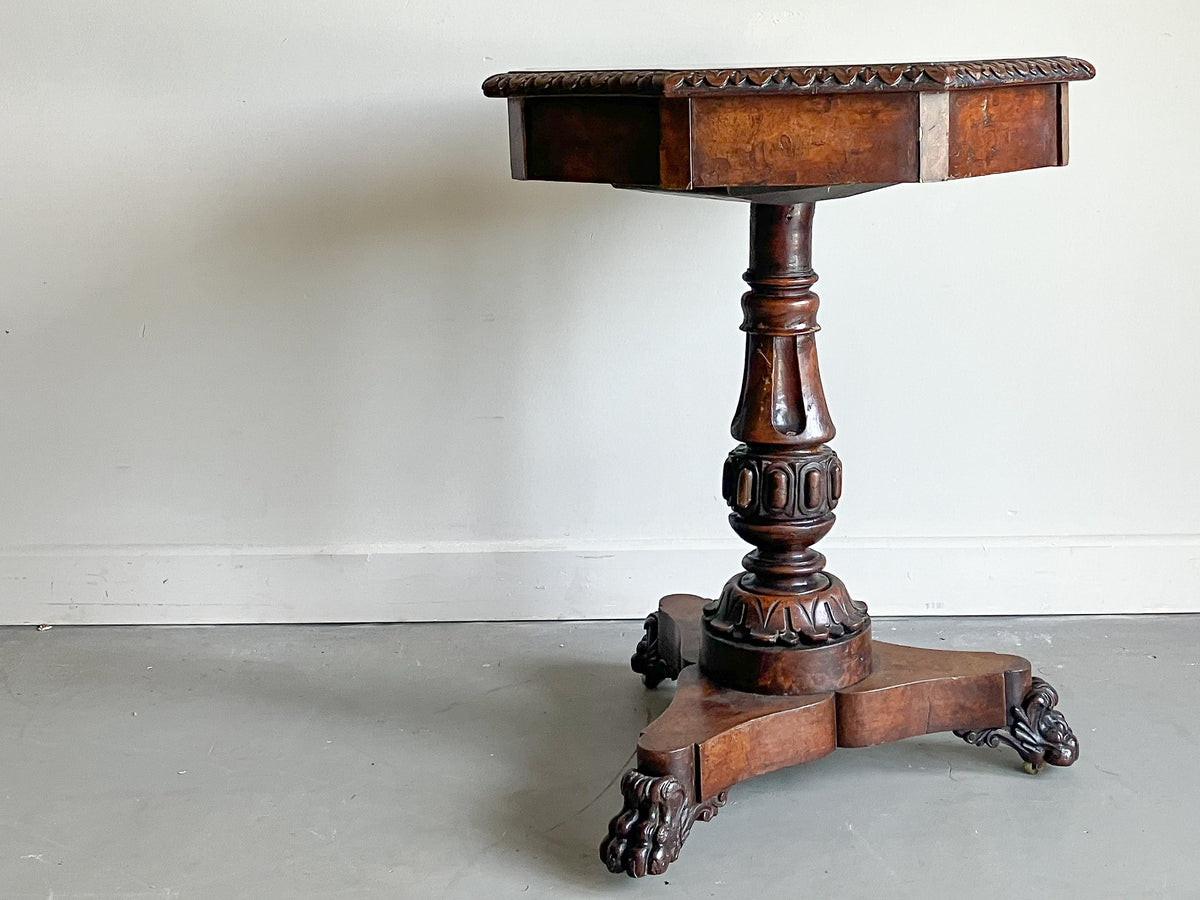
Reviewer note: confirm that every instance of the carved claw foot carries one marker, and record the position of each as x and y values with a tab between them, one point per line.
648	659
1036	730
647	835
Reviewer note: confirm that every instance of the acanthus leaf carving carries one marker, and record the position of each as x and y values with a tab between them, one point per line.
648	659
1036	730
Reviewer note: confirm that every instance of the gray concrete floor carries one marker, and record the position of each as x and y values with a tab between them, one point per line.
481	761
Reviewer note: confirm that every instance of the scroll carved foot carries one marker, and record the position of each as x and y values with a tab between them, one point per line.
1036	730
648	660
647	835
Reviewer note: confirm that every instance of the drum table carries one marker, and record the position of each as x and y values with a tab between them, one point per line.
781	667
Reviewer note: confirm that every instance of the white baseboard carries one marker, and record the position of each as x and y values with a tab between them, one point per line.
545	580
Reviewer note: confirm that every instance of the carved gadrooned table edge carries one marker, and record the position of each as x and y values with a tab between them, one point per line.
932	76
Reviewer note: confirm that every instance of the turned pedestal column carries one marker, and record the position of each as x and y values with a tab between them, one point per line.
780	668
784	625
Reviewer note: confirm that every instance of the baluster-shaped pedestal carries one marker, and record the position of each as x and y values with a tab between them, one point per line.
783	483
787	668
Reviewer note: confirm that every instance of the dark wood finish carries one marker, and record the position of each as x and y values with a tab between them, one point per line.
787	670
686	618
928	76
1004	130
675	147
713	737
782	485
821	139
647	835
775	196
781	668
580	139
913	691
1035	729
656	657
716	129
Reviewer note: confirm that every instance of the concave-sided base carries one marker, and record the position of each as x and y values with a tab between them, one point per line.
712	737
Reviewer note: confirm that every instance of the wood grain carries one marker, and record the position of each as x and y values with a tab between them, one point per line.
781	669
715	737
1003	130
799	140
791	128
912	691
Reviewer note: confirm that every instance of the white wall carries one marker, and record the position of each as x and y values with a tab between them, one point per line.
282	341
